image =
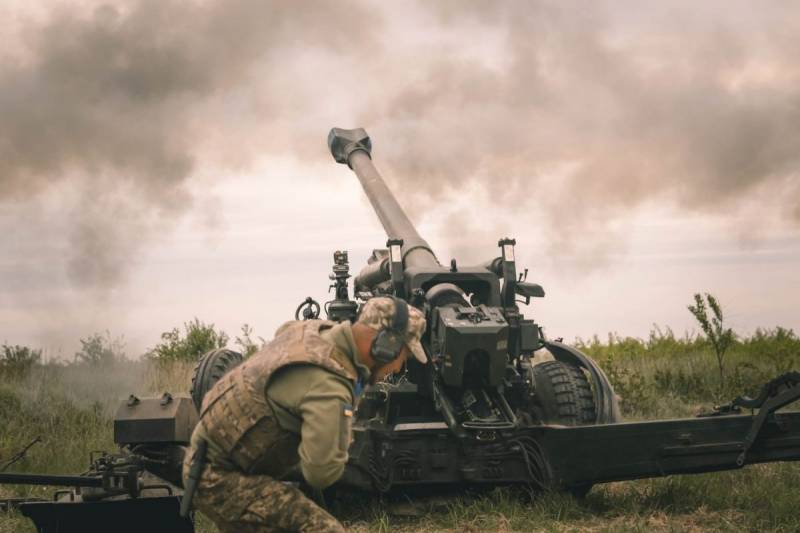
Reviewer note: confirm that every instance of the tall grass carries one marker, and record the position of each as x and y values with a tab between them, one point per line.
666	375
72	406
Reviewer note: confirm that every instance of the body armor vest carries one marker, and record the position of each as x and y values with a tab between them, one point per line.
236	415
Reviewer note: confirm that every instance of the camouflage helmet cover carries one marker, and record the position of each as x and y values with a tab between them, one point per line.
378	314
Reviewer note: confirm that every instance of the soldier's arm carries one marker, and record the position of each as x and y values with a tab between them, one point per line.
317	404
325	433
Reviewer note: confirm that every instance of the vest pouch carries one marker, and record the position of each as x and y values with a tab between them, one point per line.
266	449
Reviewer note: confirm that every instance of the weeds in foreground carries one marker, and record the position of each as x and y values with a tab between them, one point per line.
759	498
72	406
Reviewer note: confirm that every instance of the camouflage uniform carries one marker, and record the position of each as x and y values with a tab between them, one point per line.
258	429
237	502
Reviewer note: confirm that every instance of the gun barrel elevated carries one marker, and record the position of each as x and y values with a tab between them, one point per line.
353	147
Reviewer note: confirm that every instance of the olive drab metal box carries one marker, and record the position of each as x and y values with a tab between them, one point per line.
481	333
169	419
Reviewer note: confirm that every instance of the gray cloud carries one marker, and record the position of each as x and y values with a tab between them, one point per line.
581	111
596	108
121	102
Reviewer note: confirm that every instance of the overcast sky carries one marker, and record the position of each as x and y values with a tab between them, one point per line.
166	160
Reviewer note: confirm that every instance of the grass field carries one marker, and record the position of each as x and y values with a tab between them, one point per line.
71	407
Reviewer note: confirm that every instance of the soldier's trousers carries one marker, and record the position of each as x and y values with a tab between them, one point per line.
238	502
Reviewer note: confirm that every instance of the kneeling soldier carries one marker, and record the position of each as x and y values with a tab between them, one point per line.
292	403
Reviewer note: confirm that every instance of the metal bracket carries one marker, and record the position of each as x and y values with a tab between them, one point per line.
396	266
509	271
768	401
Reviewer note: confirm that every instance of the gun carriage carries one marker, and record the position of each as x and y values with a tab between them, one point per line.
489	409
499	403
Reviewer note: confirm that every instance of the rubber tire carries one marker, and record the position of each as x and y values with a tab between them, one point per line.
210	368
563	395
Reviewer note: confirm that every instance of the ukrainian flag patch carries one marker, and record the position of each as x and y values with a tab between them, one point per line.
347	410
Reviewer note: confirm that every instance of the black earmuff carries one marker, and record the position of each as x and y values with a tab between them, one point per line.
389	342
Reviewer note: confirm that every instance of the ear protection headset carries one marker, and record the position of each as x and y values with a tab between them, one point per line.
389	342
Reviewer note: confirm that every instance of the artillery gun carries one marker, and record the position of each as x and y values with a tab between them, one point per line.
486	410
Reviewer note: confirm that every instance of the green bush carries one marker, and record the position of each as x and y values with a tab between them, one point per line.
18	360
197	338
780	346
100	349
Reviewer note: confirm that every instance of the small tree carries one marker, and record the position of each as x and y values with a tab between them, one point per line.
720	337
101	349
249	346
198	338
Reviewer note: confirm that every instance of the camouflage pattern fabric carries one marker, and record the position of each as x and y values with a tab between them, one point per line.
236	418
378	313
240	503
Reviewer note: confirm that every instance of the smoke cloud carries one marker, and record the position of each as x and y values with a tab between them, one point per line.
577	111
123	101
588	110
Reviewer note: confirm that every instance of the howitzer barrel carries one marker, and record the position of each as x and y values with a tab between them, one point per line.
354	148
